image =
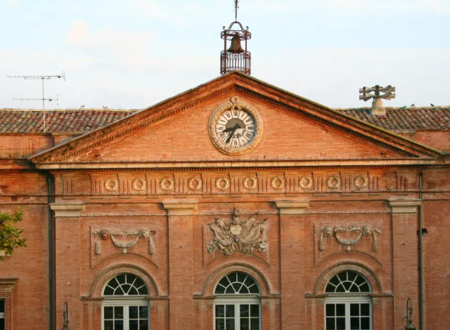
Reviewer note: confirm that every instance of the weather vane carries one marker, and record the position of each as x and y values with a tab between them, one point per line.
236	6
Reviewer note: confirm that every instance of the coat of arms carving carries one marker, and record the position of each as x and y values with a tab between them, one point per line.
238	236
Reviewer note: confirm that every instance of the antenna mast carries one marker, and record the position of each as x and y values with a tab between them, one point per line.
43	78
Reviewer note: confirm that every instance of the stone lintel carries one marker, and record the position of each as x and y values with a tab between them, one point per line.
7	284
292	207
404	206
67	210
175	207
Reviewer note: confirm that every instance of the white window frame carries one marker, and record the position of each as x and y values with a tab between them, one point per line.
237	300
348	299
122	301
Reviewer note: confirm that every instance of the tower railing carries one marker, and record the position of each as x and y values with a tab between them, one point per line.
230	62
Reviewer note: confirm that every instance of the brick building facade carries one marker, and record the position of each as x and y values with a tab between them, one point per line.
156	218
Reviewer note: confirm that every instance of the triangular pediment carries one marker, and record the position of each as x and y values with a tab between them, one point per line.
179	131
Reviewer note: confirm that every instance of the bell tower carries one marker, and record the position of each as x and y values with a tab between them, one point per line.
236	57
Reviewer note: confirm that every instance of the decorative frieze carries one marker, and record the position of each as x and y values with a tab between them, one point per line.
119	239
238	236
348	243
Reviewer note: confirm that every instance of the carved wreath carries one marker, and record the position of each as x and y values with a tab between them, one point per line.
111	184
252	185
222	183
327	231
277	183
360	182
166	184
138	184
105	234
333	182
195	184
238	236
305	182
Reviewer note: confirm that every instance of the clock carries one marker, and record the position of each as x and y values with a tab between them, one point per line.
235	128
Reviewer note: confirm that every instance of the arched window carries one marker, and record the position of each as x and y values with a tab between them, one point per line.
237	305
348	305
125	306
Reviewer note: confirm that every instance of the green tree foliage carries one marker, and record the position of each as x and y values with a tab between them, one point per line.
9	235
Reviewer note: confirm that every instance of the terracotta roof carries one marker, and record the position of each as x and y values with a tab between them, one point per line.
399	119
70	120
85	120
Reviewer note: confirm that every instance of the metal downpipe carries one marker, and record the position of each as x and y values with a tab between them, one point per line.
421	327
51	199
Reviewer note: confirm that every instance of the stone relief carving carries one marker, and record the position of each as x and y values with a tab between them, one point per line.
111	184
328	231
105	234
139	184
360	182
334	182
223	183
195	184
166	184
277	183
250	183
305	182
238	236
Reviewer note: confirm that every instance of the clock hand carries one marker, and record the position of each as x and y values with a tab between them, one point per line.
234	128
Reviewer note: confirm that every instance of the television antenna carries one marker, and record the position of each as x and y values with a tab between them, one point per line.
43	99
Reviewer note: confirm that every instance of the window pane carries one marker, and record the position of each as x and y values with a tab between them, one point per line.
220	324
219	289
351	275
220	310
109	325
254	310
244	311
229	289
241	277
143	325
143	312
360	280
245	325
365	323
230	324
108	291
134	314
340	323
254	289
133	291
130	278
118	325
121	278
126	288
2	324
237	286
143	291
329	310
138	283
244	289
364	288
340	288
354	323
347	286
2	306
340	309
330	324
365	309
354	309
108	313
229	311
118	313
254	324
134	325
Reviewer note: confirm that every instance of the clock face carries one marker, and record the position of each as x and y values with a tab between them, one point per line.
236	128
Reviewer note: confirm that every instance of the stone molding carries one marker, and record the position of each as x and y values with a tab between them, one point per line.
180	208
292	207
7	284
404	206
67	210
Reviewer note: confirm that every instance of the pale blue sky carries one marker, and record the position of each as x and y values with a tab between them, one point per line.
134	53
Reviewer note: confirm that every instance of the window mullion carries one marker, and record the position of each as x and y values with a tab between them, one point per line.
347	316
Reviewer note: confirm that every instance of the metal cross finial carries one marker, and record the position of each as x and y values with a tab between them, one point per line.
236	6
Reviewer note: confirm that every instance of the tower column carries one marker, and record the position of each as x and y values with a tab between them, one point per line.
292	247
181	256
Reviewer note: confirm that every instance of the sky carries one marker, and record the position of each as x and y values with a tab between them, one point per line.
131	54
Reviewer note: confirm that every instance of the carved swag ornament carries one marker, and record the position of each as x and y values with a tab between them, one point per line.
238	236
105	234
328	231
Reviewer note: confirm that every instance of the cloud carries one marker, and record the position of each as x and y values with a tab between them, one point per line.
13	3
108	42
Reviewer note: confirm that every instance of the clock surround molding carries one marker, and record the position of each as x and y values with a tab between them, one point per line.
235	103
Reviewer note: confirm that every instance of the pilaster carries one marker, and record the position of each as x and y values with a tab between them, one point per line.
292	247
67	261
404	256
181	256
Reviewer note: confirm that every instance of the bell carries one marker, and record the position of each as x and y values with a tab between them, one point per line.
235	45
